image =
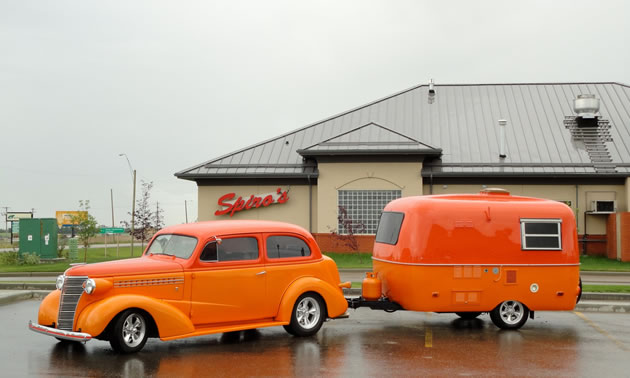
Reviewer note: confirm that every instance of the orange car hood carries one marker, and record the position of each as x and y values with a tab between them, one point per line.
141	265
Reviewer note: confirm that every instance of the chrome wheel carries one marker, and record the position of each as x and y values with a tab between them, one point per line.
308	313
509	314
133	330
130	331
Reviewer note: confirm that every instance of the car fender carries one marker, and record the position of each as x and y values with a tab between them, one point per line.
49	309
333	296
170	321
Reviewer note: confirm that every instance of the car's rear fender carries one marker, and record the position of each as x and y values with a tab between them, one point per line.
333	296
169	320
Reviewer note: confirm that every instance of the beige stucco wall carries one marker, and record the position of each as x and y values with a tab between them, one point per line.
595	224
361	176
295	210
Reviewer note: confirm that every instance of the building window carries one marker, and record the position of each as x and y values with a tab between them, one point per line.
360	210
541	234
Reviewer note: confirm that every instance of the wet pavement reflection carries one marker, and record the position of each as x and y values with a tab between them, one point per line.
369	343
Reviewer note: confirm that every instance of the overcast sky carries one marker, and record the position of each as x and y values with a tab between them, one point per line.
175	83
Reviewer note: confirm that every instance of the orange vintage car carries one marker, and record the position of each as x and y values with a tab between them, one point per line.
198	279
474	253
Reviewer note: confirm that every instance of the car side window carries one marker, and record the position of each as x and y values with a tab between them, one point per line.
286	246
233	249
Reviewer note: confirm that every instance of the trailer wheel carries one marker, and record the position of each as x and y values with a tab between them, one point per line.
580	294
468	315
309	313
509	315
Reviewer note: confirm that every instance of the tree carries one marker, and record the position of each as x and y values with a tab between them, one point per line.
146	221
158	219
86	226
348	228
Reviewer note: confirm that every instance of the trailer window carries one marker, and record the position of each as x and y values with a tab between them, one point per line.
389	227
541	234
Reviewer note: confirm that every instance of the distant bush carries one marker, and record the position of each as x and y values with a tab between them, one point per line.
30	258
9	258
62	242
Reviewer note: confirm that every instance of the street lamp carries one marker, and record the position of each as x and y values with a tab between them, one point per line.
186	208
133	202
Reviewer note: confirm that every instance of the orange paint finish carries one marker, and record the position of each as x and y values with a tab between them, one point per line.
190	296
49	308
464	253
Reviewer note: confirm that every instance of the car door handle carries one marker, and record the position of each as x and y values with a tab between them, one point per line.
261	273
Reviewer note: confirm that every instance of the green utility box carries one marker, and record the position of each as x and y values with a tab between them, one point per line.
39	236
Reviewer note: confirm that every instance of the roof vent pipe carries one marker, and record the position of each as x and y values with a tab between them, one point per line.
502	124
586	106
431	98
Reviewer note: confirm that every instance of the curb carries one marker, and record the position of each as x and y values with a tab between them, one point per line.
30	274
27	286
21	296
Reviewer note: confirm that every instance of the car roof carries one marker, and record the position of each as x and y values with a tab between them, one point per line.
222	227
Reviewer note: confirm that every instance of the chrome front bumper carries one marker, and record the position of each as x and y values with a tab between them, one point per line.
60	334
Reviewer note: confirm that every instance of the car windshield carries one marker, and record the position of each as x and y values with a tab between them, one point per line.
173	245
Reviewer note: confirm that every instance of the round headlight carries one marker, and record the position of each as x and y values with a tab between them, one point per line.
89	285
59	283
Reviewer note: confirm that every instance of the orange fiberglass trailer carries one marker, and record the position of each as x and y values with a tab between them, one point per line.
469	254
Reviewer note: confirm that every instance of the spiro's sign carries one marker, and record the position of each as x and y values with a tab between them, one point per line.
231	205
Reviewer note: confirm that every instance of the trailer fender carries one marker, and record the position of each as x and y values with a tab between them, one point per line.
169	320
336	304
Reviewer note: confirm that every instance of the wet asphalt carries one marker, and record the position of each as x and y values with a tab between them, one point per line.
369	343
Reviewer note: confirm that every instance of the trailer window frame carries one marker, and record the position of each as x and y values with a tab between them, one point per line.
541	236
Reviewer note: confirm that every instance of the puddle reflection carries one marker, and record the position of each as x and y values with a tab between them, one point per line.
381	346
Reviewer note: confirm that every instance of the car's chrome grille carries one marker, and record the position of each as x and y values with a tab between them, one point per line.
70	295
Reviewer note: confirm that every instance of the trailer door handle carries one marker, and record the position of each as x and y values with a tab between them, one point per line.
261	273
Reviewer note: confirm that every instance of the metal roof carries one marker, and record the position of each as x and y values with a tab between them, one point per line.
369	139
461	121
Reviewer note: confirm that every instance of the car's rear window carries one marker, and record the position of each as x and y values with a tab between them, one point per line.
286	246
389	227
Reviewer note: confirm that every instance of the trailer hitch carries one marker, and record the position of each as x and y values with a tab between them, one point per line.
379	304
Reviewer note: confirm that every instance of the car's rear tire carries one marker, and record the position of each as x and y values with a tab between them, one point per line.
509	315
130	331
288	329
309	313
468	315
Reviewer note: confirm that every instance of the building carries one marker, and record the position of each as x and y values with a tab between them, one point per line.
336	175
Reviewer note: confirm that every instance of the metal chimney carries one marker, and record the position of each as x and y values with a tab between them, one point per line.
586	106
502	124
431	92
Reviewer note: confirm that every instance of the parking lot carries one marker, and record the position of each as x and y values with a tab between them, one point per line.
369	343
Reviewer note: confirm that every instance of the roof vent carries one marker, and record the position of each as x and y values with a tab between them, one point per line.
502	124
431	92
495	191
586	106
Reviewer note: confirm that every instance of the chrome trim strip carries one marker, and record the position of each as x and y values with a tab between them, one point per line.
149	282
59	333
419	264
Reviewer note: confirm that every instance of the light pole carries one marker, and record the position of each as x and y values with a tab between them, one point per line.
133	201
186	208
